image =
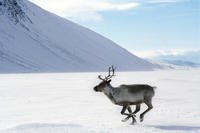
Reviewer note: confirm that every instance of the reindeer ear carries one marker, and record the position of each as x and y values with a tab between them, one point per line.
109	81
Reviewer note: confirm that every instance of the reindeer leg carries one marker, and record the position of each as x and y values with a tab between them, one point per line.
128	115
132	115
150	106
137	109
123	111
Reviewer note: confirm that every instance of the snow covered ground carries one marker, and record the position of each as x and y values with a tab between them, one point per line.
66	103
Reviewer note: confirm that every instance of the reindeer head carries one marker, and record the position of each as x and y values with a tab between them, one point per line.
105	81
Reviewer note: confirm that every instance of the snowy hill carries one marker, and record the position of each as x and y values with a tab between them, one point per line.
34	40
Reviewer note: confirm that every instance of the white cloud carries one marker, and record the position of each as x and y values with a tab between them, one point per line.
155	53
162	1
83	9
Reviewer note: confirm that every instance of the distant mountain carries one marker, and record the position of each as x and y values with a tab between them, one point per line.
182	63
34	40
190	55
187	58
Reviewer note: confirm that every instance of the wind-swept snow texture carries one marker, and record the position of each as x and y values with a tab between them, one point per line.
34	40
67	103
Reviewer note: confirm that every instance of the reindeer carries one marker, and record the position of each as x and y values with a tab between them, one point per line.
127	95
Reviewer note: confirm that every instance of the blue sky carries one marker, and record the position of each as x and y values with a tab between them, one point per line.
138	25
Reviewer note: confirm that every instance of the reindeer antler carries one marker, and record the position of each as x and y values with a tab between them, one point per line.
109	76
111	69
101	78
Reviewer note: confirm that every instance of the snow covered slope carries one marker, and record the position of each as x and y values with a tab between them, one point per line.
34	40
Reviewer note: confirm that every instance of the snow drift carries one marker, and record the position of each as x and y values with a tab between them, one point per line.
34	40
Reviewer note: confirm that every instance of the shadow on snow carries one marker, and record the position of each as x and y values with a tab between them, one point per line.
175	127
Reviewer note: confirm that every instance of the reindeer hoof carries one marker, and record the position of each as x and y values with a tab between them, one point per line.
133	123
126	119
141	118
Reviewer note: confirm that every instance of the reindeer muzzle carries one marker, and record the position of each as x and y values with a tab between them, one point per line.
95	89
